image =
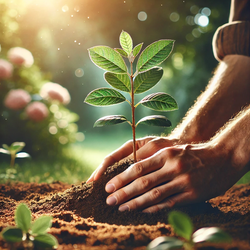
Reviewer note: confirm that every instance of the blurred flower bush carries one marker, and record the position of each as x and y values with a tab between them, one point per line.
33	109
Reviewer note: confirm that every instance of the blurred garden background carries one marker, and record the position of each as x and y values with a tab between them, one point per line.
62	141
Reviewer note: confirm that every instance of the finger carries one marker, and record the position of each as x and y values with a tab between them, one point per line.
112	158
91	178
170	202
154	196
151	146
135	171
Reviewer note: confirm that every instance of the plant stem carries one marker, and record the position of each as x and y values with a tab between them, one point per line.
133	110
12	160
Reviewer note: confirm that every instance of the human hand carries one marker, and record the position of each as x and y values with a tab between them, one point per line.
146	147
173	176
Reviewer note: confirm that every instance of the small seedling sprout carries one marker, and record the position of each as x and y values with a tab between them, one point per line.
14	151
122	78
28	231
183	227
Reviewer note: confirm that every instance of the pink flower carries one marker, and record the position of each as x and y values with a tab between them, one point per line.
20	56
17	99
55	91
37	111
6	69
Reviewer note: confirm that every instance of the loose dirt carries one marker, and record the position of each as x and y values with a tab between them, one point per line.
82	220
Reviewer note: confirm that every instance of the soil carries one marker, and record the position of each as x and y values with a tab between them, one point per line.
82	220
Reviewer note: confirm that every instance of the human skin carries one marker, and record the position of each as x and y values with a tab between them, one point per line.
180	168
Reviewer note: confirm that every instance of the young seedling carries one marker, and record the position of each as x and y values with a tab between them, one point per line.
123	78
183	227
28	232
14	151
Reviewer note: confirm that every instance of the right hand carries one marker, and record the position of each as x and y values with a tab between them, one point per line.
146	147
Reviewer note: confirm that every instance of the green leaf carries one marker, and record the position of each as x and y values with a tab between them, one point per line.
181	223
23	217
5	146
137	49
164	243
108	59
154	54
118	81
126	42
41	225
121	52
155	120
16	146
104	97
45	241
12	234
110	120
4	151
211	234
159	102
22	155
147	79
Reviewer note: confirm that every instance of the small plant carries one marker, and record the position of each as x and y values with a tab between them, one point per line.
28	232
183	227
14	151
120	77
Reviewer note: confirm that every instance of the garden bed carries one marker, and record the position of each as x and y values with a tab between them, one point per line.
82	220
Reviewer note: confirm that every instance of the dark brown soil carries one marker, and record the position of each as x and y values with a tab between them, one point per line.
82	220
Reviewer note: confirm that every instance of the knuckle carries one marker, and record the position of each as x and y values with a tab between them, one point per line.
121	196
138	168
144	183
170	203
155	194
133	204
157	143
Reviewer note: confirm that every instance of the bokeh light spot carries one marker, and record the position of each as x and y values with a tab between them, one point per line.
79	72
142	16
177	59
53	129
174	17
196	33
194	9
77	8
65	8
80	136
63	140
203	21
54	108
206	11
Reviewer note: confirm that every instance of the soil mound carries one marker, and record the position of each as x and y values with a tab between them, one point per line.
82	220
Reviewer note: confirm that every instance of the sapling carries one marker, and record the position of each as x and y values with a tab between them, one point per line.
31	233
183	227
14	151
147	74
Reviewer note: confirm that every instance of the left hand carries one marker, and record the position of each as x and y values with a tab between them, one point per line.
173	176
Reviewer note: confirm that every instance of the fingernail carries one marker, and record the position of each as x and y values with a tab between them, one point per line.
110	188
124	208
111	201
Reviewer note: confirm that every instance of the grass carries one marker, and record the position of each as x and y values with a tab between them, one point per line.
80	160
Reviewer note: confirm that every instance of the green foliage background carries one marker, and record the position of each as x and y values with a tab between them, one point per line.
58	34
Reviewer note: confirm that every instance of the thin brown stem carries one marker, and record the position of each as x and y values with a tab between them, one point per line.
12	160
133	111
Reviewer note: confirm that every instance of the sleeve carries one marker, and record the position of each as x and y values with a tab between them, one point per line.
234	37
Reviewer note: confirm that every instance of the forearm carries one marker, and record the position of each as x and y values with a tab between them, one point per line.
234	141
226	94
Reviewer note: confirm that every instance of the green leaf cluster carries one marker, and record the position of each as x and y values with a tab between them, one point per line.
118	76
183	227
32	231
